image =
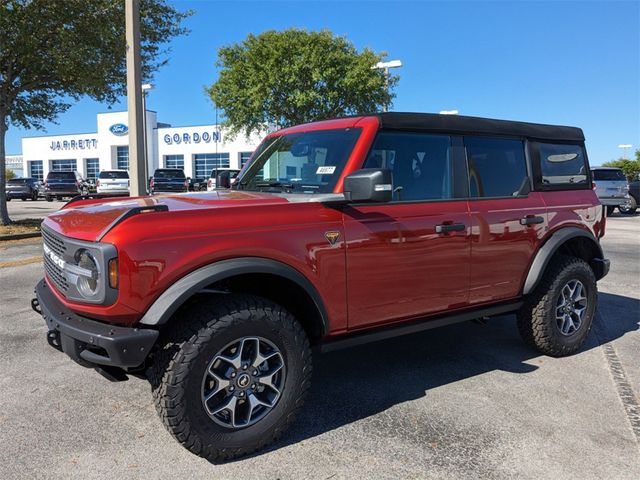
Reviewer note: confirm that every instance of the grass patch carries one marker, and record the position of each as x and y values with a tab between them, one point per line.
28	225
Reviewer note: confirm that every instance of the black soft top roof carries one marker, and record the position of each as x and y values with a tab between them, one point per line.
464	125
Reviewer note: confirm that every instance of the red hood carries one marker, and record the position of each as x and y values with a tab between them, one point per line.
87	220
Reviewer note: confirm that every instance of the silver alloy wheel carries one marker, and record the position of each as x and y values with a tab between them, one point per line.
243	382
571	307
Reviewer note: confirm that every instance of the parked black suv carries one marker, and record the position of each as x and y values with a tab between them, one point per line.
22	188
168	180
64	184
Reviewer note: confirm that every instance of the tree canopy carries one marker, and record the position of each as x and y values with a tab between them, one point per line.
631	168
295	76
52	52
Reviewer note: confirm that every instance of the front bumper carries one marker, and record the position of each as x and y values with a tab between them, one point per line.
88	342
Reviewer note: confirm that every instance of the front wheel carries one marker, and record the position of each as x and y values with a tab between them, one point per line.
232	375
557	316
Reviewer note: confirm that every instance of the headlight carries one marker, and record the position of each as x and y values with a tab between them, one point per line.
88	276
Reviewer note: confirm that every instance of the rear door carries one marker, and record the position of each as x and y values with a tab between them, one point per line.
410	257
507	224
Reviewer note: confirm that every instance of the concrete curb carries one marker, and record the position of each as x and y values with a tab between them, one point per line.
20	236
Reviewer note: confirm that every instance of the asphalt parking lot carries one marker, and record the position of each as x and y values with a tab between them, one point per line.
19	210
465	401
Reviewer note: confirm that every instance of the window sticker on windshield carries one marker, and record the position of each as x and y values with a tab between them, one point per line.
328	170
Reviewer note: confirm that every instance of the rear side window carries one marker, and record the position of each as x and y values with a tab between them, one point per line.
421	164
562	165
611	175
497	167
112	174
169	174
61	176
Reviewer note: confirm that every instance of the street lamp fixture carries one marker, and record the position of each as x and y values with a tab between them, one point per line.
449	112
386	66
625	148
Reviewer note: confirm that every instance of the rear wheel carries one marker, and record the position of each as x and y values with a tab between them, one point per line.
610	210
557	316
630	208
231	376
49	198
24	199
34	196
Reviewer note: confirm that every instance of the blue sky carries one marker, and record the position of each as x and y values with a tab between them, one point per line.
564	62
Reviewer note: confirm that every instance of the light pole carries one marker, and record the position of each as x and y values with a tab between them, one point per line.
386	66
146	87
625	148
134	98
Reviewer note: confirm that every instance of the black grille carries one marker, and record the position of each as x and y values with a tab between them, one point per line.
54	272
54	243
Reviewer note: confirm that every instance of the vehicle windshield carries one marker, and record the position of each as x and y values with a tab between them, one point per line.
307	162
169	174
612	174
113	175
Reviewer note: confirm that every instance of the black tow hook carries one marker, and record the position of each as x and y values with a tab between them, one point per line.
35	304
53	338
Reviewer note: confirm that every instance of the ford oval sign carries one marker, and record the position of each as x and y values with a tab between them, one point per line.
119	129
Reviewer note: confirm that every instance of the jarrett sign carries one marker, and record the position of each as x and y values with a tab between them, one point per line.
81	144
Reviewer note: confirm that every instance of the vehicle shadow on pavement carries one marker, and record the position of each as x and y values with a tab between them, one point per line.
353	384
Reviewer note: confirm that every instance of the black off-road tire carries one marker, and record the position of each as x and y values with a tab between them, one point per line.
610	210
537	318
199	332
49	198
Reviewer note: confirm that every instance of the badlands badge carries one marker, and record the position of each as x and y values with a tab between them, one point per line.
332	236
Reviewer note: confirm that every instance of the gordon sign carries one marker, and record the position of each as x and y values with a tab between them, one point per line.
193	137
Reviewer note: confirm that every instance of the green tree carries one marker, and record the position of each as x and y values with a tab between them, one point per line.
295	76
9	174
631	168
52	52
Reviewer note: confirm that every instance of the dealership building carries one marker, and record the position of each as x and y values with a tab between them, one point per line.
195	149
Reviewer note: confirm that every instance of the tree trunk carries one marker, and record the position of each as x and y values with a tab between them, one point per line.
4	213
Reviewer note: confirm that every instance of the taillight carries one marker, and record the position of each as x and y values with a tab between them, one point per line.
97	183
593	185
209	183
152	183
45	184
77	184
186	183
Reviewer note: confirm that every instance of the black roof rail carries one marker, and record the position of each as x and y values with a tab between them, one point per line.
129	213
90	196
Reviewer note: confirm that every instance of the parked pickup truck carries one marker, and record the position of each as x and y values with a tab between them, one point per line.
168	180
64	184
336	233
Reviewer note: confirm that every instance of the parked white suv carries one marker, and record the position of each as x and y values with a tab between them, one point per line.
611	187
113	182
222	178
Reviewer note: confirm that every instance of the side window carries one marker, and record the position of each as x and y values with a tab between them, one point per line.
562	164
497	167
421	164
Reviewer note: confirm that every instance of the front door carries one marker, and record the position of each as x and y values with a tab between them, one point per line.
410	257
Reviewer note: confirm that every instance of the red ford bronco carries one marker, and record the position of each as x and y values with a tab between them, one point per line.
336	233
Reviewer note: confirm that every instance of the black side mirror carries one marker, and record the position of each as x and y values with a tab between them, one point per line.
369	185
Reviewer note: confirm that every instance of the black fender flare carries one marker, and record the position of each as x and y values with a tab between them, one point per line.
177	294
549	249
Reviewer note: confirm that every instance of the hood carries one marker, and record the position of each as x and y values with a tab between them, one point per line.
90	219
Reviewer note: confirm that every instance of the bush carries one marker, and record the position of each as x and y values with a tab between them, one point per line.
631	168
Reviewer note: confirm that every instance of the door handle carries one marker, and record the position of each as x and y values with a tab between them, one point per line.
450	227
531	220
